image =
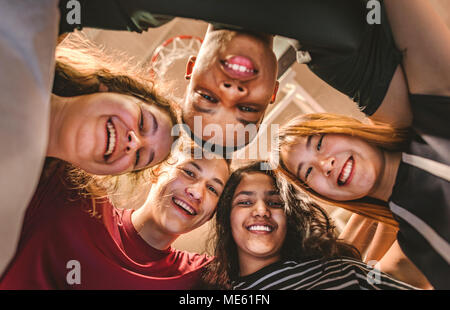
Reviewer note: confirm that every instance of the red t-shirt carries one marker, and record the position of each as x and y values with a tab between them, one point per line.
63	244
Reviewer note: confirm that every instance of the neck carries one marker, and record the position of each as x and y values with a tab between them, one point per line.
149	229
385	184
57	112
249	264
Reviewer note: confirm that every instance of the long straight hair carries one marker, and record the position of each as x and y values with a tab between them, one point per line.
378	134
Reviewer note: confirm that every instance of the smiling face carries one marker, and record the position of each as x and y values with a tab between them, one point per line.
232	81
110	133
336	166
258	220
186	194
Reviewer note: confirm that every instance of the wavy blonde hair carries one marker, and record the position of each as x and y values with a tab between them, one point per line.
378	134
82	68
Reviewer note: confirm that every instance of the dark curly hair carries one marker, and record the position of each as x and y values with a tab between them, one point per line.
310	232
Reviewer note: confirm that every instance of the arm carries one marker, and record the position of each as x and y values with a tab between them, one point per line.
396	264
372	239
382	247
381	242
27	48
358	231
424	39
395	108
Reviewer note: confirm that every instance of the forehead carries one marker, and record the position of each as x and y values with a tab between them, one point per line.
256	182
218	37
292	153
210	167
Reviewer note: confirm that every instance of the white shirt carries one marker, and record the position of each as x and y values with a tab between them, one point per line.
28	36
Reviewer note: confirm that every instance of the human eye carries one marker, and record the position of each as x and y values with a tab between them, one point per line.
213	190
319	144
247	109
188	172
141	121
275	204
138	156
208	97
244	203
308	172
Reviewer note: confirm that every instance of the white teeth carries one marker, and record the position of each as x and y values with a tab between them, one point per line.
260	228
239	68
185	206
112	138
346	171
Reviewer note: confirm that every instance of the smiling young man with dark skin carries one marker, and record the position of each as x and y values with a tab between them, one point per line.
349	51
232	80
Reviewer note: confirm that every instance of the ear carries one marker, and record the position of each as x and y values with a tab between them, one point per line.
103	88
190	67
275	91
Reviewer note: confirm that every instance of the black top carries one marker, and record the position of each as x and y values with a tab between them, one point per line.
315	274
421	196
351	55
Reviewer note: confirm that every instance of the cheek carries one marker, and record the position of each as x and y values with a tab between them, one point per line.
187	106
82	141
209	207
236	219
264	91
165	186
321	185
282	226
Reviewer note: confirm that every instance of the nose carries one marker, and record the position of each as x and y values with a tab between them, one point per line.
233	90
194	192
133	142
260	209
327	165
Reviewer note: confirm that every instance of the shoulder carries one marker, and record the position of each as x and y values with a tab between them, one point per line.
195	260
344	272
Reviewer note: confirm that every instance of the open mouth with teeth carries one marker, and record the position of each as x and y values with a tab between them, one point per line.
111	139
184	206
239	67
260	228
347	172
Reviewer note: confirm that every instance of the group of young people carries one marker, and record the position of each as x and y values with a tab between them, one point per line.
109	122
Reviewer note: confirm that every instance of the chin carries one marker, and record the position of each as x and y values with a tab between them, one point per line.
349	196
261	252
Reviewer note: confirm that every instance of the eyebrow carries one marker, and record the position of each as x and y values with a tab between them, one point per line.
308	142
250	193
246	193
147	111
150	159
218	181
197	166
272	193
202	110
308	145
155	123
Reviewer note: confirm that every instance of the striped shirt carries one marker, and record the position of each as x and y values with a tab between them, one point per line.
316	274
